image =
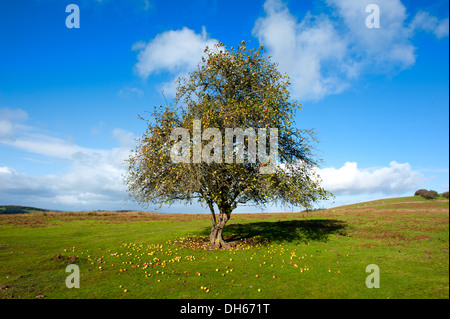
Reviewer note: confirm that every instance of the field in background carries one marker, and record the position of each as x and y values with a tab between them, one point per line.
322	254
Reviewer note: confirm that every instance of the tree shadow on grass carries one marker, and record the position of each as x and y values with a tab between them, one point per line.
282	231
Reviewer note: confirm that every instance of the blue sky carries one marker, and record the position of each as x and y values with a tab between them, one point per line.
69	98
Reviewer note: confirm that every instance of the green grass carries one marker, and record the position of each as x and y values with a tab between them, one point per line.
312	255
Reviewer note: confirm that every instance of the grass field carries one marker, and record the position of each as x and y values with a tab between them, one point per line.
322	254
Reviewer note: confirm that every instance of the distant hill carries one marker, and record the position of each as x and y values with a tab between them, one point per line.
15	209
11	209
412	202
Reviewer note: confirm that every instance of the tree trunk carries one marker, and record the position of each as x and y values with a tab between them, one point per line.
216	239
213	215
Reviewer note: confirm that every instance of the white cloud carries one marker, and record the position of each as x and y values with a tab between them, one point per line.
10	122
6	128
130	91
93	176
424	21
323	54
46	145
19	186
14	132
396	179
441	29
169	88
386	48
83	187
13	114
302	49
174	51
6	170
93	179
98	128
124	137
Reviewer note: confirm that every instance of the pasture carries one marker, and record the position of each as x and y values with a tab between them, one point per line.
321	254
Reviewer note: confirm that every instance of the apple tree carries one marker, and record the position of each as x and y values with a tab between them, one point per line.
184	155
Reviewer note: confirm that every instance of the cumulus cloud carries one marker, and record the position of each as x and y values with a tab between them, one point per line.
324	53
386	48
93	176
19	186
174	51
81	188
302	48
396	179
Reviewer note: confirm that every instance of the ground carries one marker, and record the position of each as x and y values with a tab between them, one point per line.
322	254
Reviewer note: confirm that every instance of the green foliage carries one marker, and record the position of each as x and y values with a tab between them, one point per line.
431	194
427	194
420	192
232	88
444	194
10	209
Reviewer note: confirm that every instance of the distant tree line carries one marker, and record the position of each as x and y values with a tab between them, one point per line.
10	209
430	194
